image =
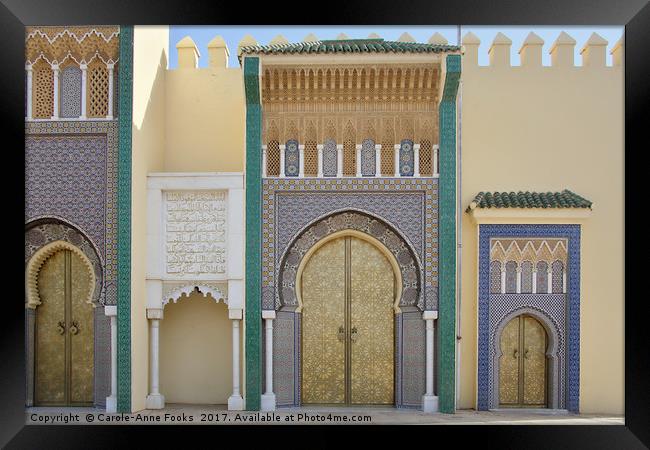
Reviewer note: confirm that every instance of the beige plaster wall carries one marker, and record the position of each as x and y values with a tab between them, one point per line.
547	129
150	55
196	351
205	120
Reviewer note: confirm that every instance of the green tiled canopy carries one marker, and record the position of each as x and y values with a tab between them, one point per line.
564	199
349	46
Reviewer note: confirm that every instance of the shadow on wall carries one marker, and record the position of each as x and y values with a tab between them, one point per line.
148	138
195	351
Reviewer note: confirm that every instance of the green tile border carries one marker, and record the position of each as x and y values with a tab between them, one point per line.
253	232
447	240
124	221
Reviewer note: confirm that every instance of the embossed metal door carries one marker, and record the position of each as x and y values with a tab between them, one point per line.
347	328
64	333
323	315
522	365
371	320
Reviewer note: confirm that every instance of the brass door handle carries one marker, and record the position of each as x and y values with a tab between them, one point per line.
515	353
60	327
353	334
74	328
341	334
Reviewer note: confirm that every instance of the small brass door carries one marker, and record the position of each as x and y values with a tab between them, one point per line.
64	333
522	364
347	325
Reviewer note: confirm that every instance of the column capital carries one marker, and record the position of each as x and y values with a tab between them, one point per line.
29	68
268	314
110	66
55	67
110	310
155	313
83	66
429	315
235	314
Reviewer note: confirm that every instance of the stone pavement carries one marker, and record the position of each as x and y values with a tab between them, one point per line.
217	414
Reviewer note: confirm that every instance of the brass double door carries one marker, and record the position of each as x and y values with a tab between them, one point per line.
522	364
64	363
348	289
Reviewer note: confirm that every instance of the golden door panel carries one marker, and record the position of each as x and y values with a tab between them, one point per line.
509	364
323	353
371	313
81	334
64	372
50	335
534	363
522	365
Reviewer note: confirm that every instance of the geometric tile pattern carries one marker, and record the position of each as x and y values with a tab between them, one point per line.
408	263
368	154
570	328
124	221
291	158
71	175
329	158
406	158
253	339
70	96
447	246
289	207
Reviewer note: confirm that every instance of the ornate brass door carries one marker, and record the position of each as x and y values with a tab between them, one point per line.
64	333
522	365
347	337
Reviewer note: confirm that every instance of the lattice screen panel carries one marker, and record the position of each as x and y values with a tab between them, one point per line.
42	91
388	158
311	159
349	158
273	159
97	91
426	157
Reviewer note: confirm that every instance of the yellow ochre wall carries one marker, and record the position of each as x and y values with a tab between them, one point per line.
195	351
184	120
150	55
205	119
547	129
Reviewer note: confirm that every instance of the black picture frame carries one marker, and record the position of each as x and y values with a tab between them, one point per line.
633	14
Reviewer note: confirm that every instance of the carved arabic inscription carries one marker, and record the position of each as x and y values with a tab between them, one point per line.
195	232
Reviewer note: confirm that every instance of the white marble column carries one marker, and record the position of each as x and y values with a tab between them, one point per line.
358	159
396	159
301	161
319	147
564	281
518	270
84	87
111	400
534	280
416	160
263	161
435	160
377	160
429	400
549	280
109	115
339	160
282	148
55	73
155	400
503	279
235	401
268	398
30	72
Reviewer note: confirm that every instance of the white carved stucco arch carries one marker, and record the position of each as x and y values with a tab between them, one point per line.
38	260
174	292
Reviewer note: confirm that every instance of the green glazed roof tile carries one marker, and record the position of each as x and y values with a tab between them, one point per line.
564	199
348	46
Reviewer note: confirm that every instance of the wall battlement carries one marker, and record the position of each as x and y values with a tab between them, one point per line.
593	52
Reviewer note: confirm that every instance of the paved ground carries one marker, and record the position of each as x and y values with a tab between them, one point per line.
217	414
